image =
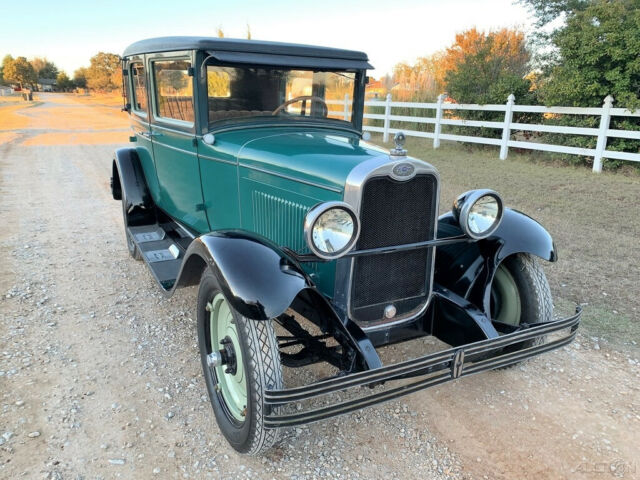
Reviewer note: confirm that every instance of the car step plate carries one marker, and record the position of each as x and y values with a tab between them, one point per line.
170	253
152	236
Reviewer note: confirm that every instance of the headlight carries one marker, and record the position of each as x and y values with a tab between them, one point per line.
479	212
331	229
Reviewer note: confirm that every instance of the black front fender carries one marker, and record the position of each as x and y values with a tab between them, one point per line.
256	277
261	282
468	268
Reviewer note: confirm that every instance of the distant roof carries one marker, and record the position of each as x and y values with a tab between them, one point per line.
214	44
46	81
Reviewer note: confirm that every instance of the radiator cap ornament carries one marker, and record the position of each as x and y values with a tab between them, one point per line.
399	139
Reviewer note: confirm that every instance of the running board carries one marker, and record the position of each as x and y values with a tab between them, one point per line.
162	246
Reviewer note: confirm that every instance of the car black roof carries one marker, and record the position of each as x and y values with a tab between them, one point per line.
168	44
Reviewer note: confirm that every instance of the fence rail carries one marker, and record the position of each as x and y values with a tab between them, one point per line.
602	133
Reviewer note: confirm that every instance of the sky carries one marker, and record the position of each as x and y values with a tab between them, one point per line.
69	33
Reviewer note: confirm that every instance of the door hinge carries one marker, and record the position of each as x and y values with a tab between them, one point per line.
200	207
191	71
194	142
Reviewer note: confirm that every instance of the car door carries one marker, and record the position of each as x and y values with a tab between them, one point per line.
172	131
138	81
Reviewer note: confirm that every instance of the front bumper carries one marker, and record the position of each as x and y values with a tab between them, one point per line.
435	368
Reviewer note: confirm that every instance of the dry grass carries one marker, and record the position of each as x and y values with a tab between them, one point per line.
593	219
111	99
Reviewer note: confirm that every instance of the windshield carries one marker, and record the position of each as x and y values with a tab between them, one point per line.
248	92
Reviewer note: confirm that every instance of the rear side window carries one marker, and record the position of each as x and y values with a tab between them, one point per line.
173	90
139	87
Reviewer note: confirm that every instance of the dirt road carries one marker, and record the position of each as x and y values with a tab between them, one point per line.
100	375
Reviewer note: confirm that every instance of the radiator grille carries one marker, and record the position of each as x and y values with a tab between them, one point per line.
394	213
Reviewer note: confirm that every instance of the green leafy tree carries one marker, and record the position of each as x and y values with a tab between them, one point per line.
44	68
104	72
19	71
596	53
80	77
599	50
63	82
5	61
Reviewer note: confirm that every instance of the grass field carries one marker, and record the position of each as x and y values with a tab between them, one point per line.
593	218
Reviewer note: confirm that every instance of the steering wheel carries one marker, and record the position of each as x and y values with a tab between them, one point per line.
304	99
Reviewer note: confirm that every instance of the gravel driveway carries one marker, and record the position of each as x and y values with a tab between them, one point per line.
100	375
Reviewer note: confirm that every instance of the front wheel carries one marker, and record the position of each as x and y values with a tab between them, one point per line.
240	360
520	294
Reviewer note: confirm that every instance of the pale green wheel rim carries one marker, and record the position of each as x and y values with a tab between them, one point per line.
506	291
233	387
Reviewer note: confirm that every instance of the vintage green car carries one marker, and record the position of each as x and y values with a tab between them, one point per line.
249	175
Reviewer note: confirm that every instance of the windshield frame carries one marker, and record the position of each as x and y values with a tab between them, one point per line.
357	105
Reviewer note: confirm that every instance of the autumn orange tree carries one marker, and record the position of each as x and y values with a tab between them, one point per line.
486	67
479	67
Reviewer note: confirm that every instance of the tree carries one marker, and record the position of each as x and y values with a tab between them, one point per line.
5	61
104	72
596	52
19	71
44	68
599	55
487	67
63	82
80	77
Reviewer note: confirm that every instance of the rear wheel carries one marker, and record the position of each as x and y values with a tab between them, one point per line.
520	294
240	360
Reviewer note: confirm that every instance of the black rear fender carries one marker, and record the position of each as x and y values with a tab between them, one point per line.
128	183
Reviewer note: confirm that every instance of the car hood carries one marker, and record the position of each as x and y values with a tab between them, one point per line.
324	157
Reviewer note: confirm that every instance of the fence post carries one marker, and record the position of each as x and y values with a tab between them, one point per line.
346	107
506	130
605	117
387	121
438	126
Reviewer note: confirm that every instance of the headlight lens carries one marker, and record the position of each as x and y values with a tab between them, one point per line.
483	214
479	212
331	229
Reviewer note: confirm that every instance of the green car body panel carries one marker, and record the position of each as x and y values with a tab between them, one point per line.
265	180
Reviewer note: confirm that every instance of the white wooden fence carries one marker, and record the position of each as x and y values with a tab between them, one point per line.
508	126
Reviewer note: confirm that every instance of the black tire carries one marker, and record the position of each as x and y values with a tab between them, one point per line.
262	369
522	273
131	246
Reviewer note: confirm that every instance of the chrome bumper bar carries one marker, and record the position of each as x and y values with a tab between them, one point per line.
436	368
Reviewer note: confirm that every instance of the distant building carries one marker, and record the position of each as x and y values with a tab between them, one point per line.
375	89
46	84
5	91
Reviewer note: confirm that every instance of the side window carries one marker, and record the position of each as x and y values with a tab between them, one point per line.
173	90
139	84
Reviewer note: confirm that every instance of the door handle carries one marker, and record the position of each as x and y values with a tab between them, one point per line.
150	134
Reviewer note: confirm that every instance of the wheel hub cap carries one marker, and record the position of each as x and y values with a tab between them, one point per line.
225	360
